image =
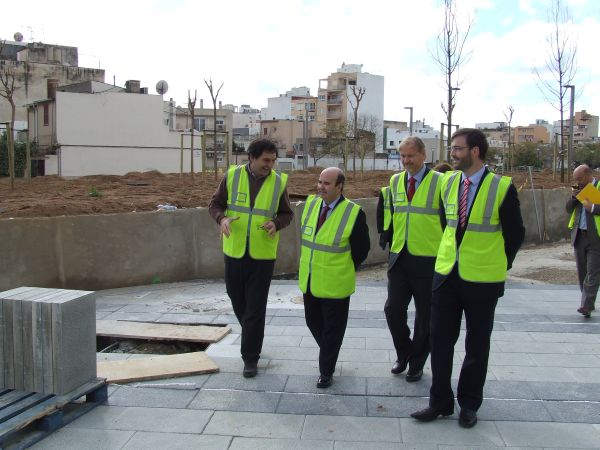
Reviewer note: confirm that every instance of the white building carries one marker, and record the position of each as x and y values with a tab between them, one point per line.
280	108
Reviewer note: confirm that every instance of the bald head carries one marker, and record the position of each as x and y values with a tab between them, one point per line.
331	184
582	175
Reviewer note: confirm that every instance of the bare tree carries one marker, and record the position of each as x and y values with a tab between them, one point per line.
369	136
336	141
560	68
450	56
7	90
191	106
508	115
357	93
214	96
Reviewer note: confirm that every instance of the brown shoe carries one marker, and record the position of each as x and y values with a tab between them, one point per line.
587	313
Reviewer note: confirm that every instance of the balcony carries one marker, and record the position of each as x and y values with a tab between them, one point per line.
334	115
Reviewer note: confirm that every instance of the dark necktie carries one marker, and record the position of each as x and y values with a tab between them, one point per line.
464	202
323	216
411	188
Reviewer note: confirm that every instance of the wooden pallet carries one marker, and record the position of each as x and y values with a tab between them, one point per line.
28	417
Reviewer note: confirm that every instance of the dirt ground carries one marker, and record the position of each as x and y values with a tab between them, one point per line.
51	196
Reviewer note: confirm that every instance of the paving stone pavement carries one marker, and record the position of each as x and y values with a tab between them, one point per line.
542	390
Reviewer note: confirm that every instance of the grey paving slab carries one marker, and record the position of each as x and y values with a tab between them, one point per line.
367	315
248	424
293	330
102	416
102	314
293	353
585	375
380	343
341	445
152	397
567	391
553	435
525	410
134	317
176	441
348	354
505	389
185	317
84	438
566	337
261	383
574	412
448	432
511	336
293	367
230	400
288	321
487	447
363	369
397	386
297	312
224	350
367	332
560	360
582	349
341	385
281	341
367	323
394	406
532	347
240	443
533	373
354	429
190	382
147	308
511	359
324	404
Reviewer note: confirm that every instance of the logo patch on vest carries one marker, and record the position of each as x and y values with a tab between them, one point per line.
307	231
400	197
451	208
240	198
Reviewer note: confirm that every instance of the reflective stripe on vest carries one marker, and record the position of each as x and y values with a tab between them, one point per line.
386	194
417	223
481	256
325	256
247	231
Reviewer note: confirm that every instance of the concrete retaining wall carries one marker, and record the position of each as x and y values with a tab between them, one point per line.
116	250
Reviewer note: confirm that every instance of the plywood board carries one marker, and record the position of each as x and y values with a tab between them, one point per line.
156	367
160	331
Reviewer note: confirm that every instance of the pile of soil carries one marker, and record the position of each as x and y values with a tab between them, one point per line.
51	196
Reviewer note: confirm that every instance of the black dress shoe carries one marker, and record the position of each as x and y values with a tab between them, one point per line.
430	413
324	381
467	418
414	375
250	369
399	366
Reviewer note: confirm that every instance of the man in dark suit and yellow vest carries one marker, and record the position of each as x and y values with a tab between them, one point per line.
585	237
484	230
251	205
416	233
335	241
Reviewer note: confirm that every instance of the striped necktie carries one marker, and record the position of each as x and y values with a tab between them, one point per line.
464	203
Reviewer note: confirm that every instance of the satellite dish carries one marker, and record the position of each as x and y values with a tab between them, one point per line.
162	87
18	37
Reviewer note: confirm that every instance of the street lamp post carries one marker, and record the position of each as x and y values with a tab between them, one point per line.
571	127
411	119
449	128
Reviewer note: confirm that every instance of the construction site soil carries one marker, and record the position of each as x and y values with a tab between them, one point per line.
51	196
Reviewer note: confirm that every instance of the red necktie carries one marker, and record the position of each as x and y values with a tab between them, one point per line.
411	188
464	201
323	216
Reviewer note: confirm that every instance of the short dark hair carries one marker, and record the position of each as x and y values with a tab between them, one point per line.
341	179
258	146
475	138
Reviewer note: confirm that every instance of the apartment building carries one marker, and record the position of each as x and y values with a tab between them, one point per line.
531	133
32	64
335	99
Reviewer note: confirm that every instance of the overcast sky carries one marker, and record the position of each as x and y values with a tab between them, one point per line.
262	48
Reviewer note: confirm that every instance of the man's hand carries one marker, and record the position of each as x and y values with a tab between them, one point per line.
225	227
269	227
575	190
587	205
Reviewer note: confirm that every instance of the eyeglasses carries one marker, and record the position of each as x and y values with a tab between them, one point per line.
456	148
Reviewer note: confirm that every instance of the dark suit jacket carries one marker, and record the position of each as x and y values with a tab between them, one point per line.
513	232
575	205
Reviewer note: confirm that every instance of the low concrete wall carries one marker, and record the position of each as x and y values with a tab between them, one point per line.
116	250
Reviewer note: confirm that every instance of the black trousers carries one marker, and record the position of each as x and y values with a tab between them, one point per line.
247	281
401	288
326	319
447	305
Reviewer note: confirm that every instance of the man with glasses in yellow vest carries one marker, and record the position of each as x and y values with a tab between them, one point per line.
417	230
335	241
484	230
250	206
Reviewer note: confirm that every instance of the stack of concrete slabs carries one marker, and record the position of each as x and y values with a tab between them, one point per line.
47	339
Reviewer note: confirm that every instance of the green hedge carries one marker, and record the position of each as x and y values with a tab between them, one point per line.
20	157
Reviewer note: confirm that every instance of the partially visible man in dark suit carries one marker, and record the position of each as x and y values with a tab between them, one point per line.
335	241
483	233
585	238
416	234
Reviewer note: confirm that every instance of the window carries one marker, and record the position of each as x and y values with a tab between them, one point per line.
391	143
321	98
311	118
46	115
265	131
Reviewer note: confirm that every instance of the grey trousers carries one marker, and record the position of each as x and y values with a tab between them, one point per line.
587	258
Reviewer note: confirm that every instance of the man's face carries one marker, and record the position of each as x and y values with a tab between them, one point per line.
462	156
582	179
412	159
326	187
262	165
